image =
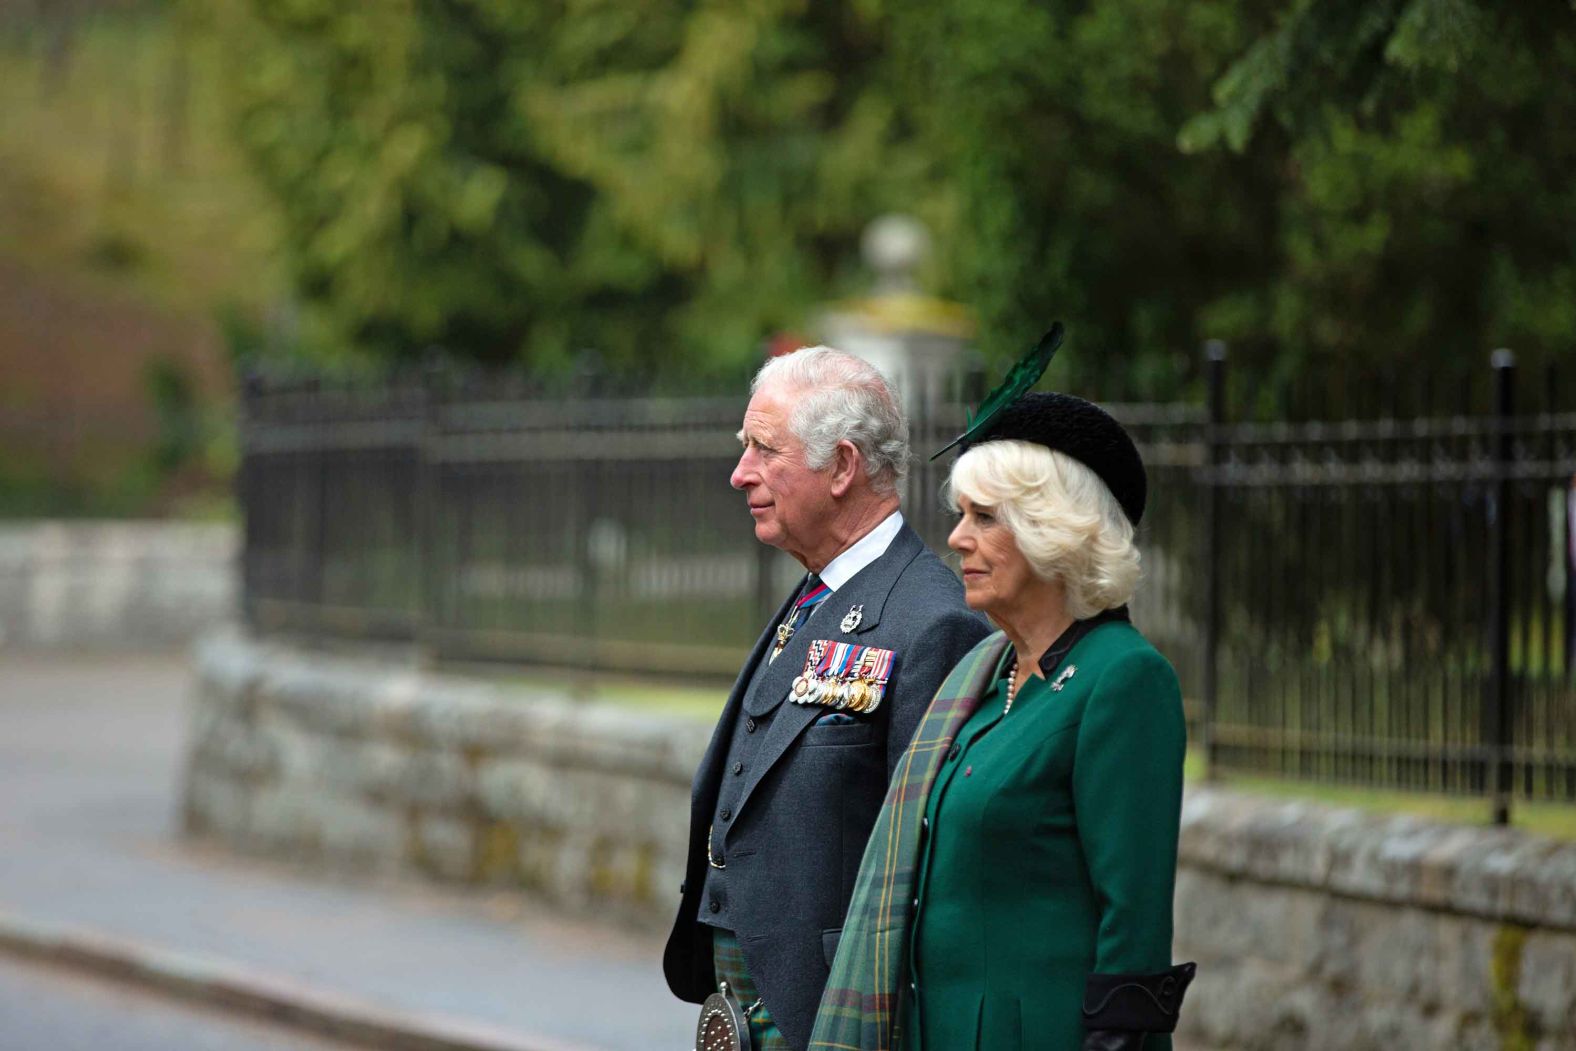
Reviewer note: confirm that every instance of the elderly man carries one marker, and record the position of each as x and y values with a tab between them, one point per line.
799	763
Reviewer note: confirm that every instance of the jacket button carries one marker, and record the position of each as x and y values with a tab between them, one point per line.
714	905
749	726
916	904
924	824
684	887
738	768
954	753
726	814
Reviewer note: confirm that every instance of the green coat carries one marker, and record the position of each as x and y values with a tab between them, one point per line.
1048	851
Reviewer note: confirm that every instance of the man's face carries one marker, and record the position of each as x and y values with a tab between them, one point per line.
790	503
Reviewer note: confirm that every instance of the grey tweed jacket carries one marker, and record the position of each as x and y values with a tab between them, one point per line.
794	846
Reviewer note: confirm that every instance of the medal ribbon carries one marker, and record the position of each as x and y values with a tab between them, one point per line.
814	597
801	611
843	674
867	662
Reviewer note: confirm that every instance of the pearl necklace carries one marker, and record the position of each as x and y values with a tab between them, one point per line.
1012	688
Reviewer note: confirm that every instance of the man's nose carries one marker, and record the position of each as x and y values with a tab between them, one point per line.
743	473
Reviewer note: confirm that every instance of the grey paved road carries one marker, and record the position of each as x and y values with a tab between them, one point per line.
45	1008
89	759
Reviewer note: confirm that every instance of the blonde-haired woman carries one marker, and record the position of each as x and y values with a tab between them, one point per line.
1016	892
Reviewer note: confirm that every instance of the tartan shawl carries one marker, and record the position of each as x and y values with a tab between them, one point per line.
859	1005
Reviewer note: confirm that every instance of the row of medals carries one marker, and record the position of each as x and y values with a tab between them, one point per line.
857	695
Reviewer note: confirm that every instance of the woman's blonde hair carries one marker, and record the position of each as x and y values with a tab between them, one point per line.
1063	517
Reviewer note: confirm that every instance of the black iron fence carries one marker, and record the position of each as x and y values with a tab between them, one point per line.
1382	601
1390	601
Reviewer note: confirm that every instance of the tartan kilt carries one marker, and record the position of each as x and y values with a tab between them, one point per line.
728	958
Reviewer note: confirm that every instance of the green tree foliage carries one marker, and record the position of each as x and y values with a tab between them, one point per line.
1332	181
416	213
662	180
1330	185
1426	203
740	154
1055	124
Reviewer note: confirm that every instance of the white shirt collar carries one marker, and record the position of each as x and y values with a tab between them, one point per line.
862	552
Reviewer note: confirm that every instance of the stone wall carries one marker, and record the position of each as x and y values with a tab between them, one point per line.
121	585
356	764
1320	928
1313	928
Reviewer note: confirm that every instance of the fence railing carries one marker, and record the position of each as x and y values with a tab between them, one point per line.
1376	601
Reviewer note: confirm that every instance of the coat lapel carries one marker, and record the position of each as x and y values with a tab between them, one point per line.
868	588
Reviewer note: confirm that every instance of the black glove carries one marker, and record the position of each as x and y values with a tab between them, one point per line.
1120	1008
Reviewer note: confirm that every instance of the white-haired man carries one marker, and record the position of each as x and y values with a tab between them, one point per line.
826	703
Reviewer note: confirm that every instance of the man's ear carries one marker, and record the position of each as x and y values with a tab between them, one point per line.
847	466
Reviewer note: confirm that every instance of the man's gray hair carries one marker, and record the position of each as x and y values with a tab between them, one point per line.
842	397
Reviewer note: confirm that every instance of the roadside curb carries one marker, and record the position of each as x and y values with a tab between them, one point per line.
226	985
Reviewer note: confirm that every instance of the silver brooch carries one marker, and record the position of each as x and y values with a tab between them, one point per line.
1061	680
852	618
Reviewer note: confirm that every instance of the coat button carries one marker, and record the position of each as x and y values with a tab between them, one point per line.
954	753
684	887
738	768
749	726
924	824
726	814
714	905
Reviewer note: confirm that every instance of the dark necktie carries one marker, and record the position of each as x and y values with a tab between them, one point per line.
811	595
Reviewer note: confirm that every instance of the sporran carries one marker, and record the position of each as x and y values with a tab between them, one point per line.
722	1025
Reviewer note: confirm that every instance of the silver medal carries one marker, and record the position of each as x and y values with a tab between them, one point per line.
852	618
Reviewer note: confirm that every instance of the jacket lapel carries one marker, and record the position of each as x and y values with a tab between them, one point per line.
771	686
707	774
871	586
868	588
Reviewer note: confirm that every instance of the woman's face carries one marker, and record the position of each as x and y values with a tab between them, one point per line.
996	576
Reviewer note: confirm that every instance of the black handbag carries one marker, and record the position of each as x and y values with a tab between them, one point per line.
722	1025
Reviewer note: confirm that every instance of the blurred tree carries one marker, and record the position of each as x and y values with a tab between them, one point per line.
1323	184
1055	125
657	182
1426	206
1393	181
416	212
177	410
739	149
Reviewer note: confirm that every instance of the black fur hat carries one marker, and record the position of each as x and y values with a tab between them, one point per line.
1083	431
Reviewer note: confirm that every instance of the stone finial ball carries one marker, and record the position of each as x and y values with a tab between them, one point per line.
895	245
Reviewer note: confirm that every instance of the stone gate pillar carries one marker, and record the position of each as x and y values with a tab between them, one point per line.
922	343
